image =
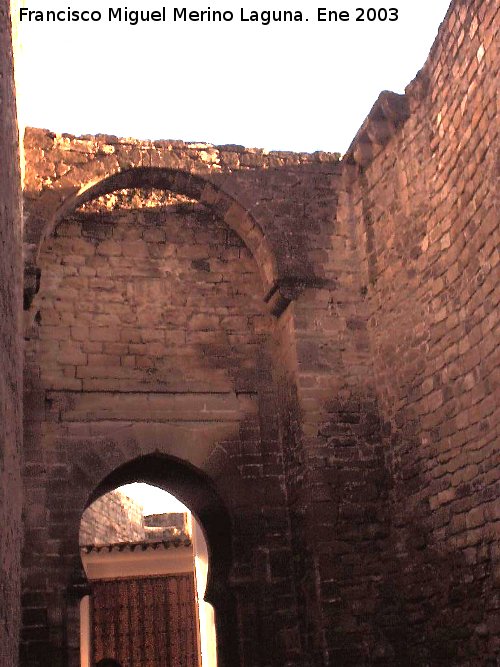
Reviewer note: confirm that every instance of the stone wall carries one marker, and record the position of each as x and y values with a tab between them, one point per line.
166	526
10	352
172	520
329	433
112	518
151	334
249	189
423	206
157	327
312	342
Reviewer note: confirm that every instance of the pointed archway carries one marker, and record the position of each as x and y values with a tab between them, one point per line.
196	491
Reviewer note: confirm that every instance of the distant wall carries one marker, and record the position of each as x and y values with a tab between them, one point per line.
166	526
174	520
10	351
112	518
424	209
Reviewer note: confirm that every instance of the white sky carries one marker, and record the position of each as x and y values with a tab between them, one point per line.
290	86
153	499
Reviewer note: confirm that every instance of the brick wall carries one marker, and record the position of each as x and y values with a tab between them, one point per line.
127	295
249	189
151	335
166	526
315	340
336	478
112	518
10	352
424	210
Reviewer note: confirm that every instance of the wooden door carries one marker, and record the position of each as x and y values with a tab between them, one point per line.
146	622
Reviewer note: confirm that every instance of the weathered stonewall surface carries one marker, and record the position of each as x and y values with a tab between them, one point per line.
10	352
112	518
425	210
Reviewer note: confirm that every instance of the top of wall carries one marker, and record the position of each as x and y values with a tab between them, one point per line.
391	111
223	157
385	119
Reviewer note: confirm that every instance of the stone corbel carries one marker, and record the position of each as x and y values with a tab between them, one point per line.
288	289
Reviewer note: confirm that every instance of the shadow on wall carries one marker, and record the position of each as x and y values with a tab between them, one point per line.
427	611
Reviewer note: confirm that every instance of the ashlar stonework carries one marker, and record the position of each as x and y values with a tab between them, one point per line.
303	350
